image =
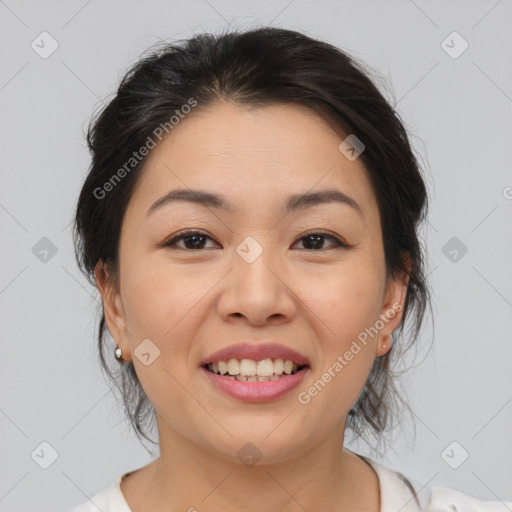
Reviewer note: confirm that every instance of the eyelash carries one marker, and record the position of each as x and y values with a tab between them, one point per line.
189	233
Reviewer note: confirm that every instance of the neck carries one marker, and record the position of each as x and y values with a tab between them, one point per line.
189	477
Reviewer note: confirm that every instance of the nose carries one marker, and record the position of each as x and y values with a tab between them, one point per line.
258	293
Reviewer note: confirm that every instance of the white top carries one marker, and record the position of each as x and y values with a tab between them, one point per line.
395	496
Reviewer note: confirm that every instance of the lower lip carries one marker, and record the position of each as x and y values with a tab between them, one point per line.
256	391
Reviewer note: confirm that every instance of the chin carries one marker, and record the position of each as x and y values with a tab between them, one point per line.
258	441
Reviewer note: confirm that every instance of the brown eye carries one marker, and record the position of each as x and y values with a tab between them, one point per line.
193	240
314	240
196	240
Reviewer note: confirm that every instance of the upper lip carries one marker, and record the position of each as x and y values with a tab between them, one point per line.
258	352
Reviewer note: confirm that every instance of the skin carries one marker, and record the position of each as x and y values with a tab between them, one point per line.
191	303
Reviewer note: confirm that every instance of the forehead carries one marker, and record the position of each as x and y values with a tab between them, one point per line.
254	156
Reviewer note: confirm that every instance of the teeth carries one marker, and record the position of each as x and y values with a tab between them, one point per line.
249	370
223	367
233	367
248	367
265	368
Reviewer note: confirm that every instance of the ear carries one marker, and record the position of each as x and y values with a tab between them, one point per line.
392	310
112	307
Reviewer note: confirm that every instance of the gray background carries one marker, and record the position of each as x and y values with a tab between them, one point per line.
458	113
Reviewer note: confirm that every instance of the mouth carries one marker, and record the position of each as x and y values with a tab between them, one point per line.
255	388
251	370
255	372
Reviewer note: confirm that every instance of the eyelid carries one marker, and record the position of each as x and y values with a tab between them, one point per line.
176	237
338	241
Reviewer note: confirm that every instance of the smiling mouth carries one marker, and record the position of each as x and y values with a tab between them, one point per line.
249	370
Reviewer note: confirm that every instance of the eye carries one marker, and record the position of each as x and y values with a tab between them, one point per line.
193	240
314	240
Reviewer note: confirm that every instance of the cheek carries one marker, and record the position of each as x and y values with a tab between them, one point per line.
344	308
162	304
345	302
161	298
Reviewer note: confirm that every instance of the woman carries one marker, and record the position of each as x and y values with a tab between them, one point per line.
250	220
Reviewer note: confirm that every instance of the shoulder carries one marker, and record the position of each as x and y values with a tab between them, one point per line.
449	500
110	499
397	493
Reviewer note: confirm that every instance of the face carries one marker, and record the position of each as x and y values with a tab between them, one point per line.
252	274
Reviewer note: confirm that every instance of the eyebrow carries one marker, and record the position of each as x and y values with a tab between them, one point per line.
292	203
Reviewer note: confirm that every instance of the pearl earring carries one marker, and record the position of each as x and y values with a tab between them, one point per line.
118	352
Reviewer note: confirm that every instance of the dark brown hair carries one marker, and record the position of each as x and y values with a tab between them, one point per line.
255	68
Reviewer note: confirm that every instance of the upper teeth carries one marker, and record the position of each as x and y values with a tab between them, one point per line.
250	367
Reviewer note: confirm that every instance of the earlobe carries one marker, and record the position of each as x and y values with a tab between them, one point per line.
384	347
112	306
391	313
